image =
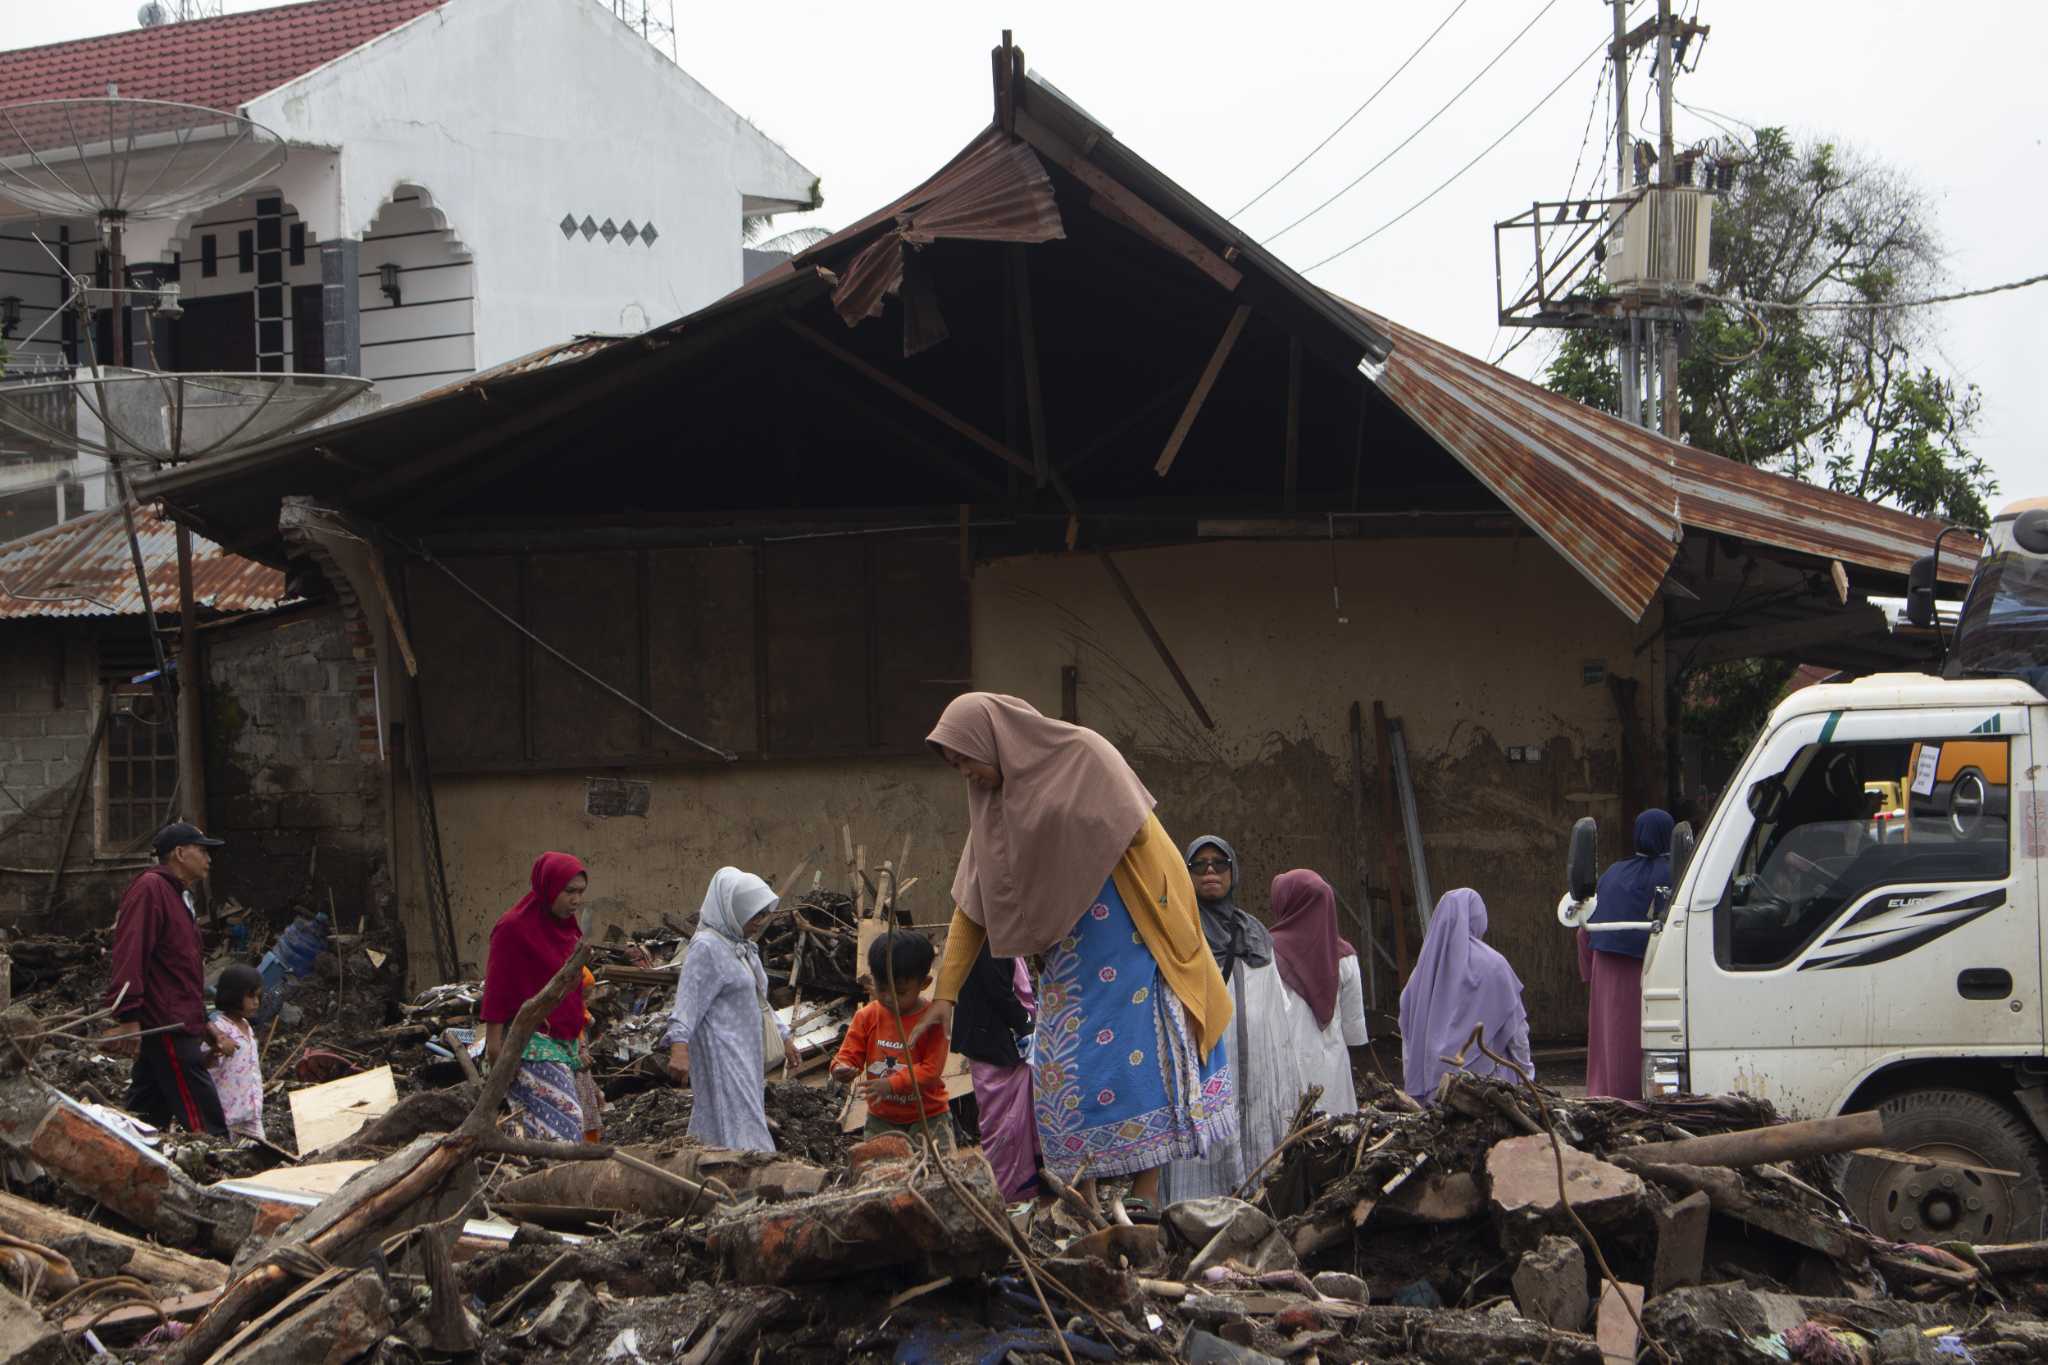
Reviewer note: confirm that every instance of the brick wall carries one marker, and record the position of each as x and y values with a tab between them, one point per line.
293	779
47	694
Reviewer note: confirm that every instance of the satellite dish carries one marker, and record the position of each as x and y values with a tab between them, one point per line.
152	15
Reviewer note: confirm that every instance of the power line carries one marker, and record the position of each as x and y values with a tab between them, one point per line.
1873	305
1356	112
1356	181
1456	175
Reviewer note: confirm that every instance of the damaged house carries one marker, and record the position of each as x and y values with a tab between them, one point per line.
1045	425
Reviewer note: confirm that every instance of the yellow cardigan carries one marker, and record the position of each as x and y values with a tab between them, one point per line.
1156	889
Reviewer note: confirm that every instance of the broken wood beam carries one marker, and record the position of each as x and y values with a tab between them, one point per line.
1027	350
1224	346
1170	236
159	1266
885	380
1764	1146
1187	688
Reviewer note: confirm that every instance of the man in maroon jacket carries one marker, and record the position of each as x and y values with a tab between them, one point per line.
160	983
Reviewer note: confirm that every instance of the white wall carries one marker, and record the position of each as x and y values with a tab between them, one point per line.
516	113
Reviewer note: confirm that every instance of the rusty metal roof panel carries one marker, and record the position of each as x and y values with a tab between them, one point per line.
1604	503
1614	499
83	568
1717	494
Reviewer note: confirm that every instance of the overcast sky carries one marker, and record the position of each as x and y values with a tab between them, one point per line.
1224	99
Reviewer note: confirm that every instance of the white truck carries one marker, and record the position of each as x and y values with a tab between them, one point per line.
1808	957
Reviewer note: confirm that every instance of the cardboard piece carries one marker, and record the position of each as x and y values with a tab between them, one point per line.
325	1114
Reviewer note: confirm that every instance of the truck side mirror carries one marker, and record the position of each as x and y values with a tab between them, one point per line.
1581	870
1920	592
1766	796
1682	845
2030	530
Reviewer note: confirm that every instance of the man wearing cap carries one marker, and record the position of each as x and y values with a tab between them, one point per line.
159	982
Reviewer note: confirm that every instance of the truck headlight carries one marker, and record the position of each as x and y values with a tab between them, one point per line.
1664	1075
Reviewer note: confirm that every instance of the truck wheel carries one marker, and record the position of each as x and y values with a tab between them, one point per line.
1941	1203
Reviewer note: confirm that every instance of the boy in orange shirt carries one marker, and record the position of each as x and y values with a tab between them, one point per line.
898	1095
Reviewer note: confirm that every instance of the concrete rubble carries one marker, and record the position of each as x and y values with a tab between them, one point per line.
1389	1235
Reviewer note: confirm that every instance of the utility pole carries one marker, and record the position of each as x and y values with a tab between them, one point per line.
1628	346
1667	177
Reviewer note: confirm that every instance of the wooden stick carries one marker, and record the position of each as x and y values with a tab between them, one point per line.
1762	1146
1224	345
462	1057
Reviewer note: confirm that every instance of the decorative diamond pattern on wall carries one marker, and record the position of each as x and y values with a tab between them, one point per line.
633	233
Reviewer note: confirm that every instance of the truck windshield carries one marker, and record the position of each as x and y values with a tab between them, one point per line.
2003	631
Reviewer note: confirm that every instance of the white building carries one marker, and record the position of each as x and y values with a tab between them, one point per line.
468	181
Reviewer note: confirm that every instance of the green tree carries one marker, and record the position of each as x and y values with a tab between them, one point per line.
1841	396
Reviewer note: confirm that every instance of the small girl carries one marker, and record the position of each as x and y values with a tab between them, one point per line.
238	1072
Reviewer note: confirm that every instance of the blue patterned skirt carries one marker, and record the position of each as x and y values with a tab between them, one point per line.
543	1097
1119	1087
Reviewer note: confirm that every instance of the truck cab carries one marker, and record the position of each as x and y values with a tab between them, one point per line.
1827	960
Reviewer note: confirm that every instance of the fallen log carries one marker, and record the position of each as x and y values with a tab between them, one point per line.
160	1267
1765	1146
897	1215
617	1186
43	1125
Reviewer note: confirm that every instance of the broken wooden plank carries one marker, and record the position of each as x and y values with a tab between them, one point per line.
323	1115
1224	345
1130	208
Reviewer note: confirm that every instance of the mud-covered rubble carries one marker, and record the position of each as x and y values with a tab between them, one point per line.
1394	1234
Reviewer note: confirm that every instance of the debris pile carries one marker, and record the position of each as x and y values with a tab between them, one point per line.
1501	1223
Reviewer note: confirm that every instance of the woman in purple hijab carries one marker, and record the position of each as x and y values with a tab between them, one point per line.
1460	983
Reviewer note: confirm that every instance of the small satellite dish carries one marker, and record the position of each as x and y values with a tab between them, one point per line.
152	15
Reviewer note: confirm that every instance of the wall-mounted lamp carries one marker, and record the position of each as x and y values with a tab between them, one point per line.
387	280
10	315
167	300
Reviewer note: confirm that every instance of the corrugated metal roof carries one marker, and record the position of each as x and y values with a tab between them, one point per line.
216	63
1615	499
83	568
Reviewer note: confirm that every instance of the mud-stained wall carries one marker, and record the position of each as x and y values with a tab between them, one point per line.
1477	646
644	867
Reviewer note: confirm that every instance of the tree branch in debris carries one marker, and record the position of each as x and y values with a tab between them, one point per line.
409	1186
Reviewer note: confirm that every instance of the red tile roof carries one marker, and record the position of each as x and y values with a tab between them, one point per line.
218	63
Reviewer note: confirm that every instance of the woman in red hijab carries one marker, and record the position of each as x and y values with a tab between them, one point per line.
1321	970
529	944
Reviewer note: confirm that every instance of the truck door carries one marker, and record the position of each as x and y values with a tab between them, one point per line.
1821	950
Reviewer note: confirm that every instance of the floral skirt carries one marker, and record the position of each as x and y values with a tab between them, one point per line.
1119	1087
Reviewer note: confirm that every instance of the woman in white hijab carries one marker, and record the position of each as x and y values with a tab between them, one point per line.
714	1032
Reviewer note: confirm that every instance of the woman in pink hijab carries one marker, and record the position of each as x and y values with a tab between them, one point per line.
529	943
1459	984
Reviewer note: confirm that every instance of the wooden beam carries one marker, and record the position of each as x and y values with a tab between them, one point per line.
1123	587
1291	479
1135	211
1397	890
1181	428
1027	351
911	396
